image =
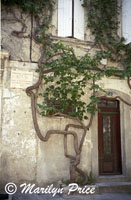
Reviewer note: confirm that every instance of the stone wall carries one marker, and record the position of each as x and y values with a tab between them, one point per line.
22	46
23	155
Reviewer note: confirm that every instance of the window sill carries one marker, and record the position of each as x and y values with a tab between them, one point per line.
74	41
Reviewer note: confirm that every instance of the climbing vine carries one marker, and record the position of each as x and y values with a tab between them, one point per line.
66	76
30	6
103	21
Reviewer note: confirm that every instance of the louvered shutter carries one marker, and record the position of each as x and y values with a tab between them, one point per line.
64	18
126	20
78	19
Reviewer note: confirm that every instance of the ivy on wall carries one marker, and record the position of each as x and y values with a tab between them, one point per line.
65	75
34	7
103	20
71	75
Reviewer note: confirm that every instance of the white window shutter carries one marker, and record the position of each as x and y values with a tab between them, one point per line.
64	18
78	19
126	20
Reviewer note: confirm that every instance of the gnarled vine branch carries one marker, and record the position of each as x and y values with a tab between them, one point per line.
74	160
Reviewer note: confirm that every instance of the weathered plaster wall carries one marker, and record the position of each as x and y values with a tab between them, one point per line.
18	157
18	133
23	156
22	46
18	45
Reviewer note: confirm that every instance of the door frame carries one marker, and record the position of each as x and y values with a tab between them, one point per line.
125	127
109	164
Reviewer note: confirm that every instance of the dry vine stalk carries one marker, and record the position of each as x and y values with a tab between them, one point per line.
23	32
129	82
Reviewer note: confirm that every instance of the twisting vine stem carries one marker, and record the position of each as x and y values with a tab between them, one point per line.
66	76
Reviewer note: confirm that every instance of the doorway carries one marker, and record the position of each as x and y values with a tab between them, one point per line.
109	141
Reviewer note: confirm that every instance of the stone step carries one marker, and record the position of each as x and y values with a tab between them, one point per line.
105	187
4	196
115	178
114	187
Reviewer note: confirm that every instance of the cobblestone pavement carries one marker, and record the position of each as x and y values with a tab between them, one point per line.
105	196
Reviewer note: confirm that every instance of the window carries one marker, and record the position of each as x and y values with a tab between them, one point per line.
71	19
126	20
108	103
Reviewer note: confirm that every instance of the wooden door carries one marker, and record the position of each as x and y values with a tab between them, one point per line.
109	141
